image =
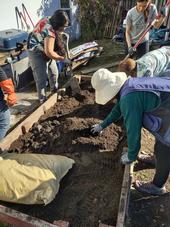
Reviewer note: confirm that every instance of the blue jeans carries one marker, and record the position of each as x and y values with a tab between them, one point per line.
43	69
4	119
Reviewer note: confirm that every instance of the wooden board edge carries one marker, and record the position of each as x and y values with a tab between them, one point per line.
16	218
124	196
25	125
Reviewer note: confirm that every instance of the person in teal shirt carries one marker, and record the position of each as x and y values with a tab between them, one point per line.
131	108
142	102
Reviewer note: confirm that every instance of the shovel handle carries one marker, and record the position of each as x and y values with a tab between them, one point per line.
142	36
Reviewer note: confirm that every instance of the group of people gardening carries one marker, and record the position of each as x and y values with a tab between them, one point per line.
142	90
141	86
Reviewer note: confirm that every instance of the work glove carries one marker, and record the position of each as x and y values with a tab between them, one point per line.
8	91
10	60
124	158
67	61
96	129
130	51
11	99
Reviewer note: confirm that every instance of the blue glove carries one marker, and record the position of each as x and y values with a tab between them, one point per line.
124	158
96	129
11	60
67	61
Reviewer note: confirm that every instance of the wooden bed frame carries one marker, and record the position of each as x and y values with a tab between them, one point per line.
19	219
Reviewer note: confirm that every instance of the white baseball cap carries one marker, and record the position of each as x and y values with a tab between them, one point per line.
107	84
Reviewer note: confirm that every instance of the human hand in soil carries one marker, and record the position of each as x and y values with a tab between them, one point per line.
124	158
96	129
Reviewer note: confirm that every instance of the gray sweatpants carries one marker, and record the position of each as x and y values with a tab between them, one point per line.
162	155
43	70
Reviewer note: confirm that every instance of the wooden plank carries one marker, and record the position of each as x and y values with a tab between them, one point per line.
93	69
28	122
18	219
124	197
76	65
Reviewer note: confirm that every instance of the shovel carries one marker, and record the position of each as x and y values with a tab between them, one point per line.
143	35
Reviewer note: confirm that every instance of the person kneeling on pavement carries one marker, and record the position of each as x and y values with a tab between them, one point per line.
45	47
7	99
141	103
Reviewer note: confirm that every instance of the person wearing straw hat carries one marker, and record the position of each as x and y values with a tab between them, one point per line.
153	63
141	103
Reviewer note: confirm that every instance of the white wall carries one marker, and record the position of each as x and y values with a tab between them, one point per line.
7	11
8	17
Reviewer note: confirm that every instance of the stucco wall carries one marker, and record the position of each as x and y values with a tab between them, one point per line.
7	12
8	17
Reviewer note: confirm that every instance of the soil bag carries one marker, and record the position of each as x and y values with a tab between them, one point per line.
31	178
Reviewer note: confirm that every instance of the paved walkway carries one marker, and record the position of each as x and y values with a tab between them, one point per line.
27	102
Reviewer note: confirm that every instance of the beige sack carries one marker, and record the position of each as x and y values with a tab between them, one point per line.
31	178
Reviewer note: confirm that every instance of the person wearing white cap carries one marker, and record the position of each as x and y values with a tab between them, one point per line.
140	103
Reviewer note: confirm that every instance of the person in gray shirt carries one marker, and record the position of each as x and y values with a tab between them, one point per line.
137	19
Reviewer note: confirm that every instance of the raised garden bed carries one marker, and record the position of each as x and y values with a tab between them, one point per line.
91	191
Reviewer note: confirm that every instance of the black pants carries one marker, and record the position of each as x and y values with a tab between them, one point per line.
162	155
142	49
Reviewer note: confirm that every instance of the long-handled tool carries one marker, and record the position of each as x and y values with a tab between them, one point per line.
143	35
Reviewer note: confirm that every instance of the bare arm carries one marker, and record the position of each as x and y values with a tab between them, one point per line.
49	49
128	36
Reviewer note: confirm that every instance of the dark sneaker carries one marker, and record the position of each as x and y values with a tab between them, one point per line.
149	188
147	159
41	101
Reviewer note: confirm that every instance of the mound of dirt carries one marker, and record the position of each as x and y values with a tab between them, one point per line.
90	192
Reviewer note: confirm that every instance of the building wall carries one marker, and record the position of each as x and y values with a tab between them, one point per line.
8	17
52	5
7	12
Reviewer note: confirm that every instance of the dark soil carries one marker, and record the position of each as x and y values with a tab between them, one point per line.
90	192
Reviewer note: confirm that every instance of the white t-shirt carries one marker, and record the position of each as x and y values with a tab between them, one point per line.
136	21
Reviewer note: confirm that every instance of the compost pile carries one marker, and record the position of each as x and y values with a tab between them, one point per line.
90	192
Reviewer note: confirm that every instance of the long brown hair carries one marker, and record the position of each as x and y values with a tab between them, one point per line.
146	12
129	66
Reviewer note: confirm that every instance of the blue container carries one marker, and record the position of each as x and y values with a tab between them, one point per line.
9	39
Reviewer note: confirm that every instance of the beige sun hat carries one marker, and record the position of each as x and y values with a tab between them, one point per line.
107	84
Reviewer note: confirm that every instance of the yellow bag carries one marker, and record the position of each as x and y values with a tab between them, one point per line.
31	178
